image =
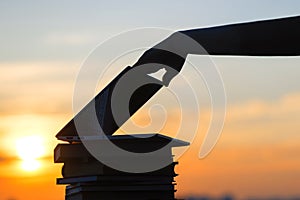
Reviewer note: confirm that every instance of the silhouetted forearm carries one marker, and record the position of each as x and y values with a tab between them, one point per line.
279	37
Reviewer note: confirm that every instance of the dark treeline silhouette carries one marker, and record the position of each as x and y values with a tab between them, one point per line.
204	197
230	197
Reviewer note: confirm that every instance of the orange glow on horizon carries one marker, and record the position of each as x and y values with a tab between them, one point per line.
257	154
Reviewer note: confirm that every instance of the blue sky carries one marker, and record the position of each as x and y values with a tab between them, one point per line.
25	25
43	33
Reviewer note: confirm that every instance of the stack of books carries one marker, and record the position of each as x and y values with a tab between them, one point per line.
87	178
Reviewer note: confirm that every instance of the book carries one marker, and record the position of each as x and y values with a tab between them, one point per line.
132	143
76	169
117	180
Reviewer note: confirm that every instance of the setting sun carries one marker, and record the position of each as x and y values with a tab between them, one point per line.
29	149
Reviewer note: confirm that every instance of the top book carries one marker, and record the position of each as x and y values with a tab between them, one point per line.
138	143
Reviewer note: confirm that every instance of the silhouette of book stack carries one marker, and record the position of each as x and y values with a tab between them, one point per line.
88	179
85	176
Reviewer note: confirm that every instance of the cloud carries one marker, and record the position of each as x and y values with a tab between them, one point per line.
21	125
36	87
71	38
4	158
286	105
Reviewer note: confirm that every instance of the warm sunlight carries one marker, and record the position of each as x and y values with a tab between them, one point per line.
30	165
29	149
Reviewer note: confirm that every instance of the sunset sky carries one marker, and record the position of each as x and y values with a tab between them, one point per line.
43	45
